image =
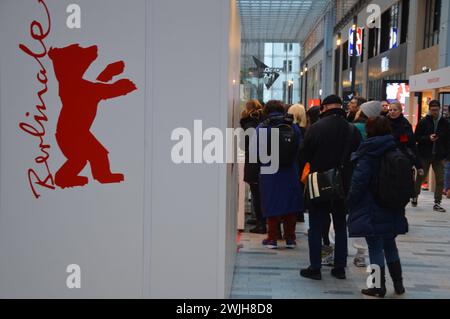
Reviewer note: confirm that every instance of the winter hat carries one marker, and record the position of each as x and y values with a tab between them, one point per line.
331	99
371	109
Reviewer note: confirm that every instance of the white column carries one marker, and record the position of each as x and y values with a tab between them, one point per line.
444	37
327	56
166	231
193	54
411	51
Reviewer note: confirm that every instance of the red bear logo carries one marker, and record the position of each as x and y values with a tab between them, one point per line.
80	99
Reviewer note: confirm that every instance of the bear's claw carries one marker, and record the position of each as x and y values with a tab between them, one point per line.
109	179
77	181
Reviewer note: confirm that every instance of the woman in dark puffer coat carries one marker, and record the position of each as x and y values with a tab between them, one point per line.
380	226
403	135
251	117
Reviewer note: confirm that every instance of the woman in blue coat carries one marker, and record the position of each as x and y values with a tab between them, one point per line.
380	226
281	198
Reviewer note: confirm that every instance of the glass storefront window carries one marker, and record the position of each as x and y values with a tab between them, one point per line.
280	58
426	98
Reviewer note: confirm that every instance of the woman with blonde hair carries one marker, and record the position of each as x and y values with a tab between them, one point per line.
251	117
299	113
300	119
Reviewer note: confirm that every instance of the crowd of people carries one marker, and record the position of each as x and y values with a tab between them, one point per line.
353	171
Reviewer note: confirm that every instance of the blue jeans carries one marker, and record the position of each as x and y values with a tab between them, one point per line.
381	247
447	176
317	217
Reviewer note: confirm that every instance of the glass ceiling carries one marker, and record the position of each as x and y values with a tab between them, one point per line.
279	20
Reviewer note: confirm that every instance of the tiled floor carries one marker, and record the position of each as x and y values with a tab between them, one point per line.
261	273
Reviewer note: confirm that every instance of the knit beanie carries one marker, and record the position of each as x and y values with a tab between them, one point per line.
372	108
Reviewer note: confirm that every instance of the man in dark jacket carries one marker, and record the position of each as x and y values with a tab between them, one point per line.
353	107
433	139
323	147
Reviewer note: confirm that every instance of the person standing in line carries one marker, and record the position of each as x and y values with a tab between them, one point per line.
366	111
250	118
323	147
404	136
280	191
300	119
313	115
380	226
299	113
353	107
433	143
385	106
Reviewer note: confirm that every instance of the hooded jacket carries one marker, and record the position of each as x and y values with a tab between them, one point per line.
366	218
281	191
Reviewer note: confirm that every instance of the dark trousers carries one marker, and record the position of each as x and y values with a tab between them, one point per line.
326	229
317	217
289	222
256	202
381	247
438	168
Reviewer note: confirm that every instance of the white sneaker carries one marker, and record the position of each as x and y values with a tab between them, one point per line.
360	261
328	260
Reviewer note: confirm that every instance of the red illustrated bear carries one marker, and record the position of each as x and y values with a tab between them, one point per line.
80	99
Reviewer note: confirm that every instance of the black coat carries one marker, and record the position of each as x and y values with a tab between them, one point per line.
251	170
424	129
404	138
351	117
325	142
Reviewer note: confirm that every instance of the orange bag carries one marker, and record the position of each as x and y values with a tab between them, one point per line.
305	173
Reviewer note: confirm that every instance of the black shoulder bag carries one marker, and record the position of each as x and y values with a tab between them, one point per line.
328	186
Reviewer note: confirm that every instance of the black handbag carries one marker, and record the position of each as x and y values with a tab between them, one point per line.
328	186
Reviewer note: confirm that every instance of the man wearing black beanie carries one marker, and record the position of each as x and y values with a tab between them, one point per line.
324	147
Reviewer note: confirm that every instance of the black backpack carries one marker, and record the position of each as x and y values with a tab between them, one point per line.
393	187
288	143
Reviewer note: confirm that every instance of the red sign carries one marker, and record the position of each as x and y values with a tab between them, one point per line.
433	80
80	98
314	102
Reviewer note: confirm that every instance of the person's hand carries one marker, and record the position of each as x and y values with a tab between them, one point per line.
421	172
